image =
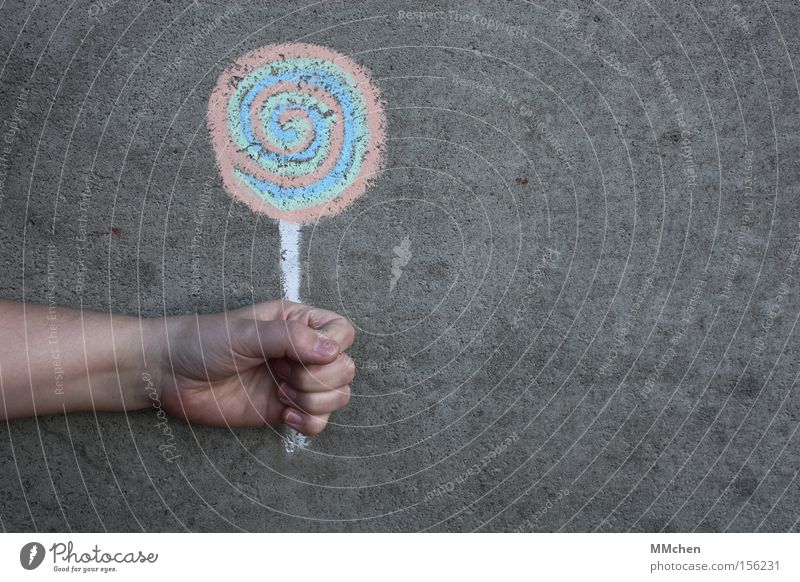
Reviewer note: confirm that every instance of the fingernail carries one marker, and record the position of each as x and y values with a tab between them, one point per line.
294	419
282	369
325	346
287	394
315	319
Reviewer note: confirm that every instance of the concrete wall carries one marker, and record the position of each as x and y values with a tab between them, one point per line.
595	329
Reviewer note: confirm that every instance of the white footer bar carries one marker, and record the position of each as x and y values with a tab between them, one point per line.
377	557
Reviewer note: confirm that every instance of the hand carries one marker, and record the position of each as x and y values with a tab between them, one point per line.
269	363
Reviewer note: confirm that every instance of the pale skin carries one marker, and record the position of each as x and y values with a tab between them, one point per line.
272	363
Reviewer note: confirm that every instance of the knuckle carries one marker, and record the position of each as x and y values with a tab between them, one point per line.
300	336
349	368
350	331
316	425
292	328
344	395
316	318
284	305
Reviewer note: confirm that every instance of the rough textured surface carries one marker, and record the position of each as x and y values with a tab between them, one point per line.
595	324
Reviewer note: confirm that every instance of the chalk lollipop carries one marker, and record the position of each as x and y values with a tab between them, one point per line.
299	132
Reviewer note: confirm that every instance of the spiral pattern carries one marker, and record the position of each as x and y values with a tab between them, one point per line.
298	130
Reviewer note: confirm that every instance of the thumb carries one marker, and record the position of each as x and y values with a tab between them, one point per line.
282	339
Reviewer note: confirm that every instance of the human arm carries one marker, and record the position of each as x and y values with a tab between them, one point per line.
221	370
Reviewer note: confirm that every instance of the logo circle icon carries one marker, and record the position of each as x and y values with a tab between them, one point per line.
31	555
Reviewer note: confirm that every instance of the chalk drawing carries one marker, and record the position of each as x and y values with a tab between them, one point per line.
290	259
402	254
299	133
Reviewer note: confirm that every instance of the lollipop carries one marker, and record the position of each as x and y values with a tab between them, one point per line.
299	133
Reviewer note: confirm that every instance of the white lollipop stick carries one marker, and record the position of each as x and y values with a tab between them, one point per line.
290	259
290	284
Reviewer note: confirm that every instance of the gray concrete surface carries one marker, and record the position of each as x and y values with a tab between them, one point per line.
596	330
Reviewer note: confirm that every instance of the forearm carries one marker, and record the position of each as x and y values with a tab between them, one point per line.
55	359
